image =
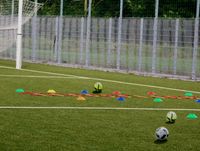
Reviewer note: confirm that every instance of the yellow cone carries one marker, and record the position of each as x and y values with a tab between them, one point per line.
51	91
80	98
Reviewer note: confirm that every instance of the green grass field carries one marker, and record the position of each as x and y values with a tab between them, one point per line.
113	126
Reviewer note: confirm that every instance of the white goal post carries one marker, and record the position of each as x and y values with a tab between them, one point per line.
13	14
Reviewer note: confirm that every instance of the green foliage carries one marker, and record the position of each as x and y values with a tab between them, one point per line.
132	8
178	8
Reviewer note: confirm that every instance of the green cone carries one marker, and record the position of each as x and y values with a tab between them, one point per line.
192	116
158	100
188	94
19	90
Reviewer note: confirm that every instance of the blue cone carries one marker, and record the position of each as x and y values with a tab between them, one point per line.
121	99
84	92
198	101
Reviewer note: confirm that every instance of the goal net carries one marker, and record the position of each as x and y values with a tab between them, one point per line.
9	10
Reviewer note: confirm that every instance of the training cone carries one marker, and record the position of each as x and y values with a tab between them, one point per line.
157	100
198	101
84	92
19	90
151	93
188	94
192	116
121	99
116	92
80	98
51	91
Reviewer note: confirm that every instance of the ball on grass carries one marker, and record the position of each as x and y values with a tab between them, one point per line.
98	86
161	133
171	117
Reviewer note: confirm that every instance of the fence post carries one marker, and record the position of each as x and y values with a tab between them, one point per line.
140	46
34	37
119	35
12	20
176	45
56	40
195	47
109	42
155	23
12	12
87	45
195	43
59	60
60	23
81	40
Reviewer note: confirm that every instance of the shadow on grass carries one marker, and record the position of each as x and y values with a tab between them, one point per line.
160	142
170	122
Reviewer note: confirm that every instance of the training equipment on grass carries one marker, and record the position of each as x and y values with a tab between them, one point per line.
161	133
84	92
98	87
192	116
121	98
51	91
157	100
74	94
19	90
171	117
81	98
151	93
114	94
188	94
198	101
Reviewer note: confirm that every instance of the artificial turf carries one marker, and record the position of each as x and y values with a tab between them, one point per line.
85	130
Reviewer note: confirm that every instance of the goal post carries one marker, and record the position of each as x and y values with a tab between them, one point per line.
13	15
27	14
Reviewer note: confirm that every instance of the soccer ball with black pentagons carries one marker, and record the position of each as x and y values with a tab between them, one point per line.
171	117
161	134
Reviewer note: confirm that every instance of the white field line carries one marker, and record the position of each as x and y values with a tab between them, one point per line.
43	72
98	108
32	76
106	80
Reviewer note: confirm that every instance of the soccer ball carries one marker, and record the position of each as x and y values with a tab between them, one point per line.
171	117
98	86
161	133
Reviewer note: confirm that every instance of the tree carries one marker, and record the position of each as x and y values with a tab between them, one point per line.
139	8
177	8
111	8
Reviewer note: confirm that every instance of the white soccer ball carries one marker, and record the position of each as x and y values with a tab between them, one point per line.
171	117
161	133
